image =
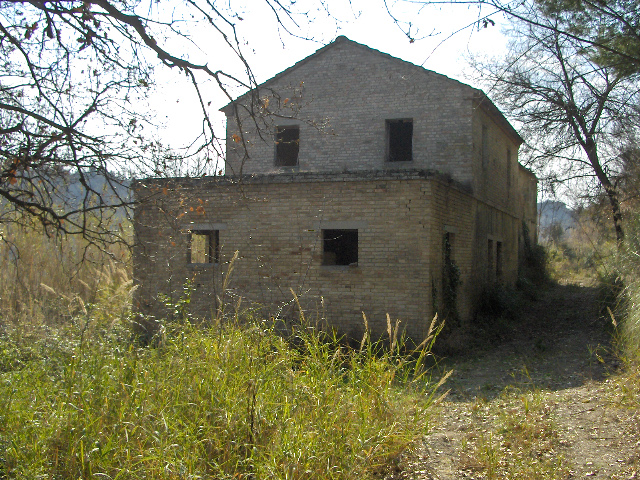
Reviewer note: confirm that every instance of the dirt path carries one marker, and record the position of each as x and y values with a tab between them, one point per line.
547	404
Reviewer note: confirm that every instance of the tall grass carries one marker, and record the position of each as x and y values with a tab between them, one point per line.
80	398
223	403
630	273
50	279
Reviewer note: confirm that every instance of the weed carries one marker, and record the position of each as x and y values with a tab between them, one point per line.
241	402
53	279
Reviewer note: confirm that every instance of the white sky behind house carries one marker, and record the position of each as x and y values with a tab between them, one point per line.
269	50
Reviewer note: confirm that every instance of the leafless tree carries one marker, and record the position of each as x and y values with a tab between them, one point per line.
610	27
73	74
571	109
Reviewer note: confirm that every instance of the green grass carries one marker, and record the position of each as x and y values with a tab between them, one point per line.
227	402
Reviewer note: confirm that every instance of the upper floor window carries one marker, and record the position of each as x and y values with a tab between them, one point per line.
399	140
485	146
287	146
508	172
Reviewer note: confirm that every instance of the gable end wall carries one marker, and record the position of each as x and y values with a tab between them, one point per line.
340	99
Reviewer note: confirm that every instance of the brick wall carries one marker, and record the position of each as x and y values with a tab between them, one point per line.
464	181
340	99
276	222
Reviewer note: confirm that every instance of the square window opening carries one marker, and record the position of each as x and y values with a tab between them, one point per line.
339	247
399	140
287	146
204	246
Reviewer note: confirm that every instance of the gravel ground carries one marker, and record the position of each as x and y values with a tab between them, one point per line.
560	356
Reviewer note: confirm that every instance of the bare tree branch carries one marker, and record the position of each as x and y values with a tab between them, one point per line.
73	134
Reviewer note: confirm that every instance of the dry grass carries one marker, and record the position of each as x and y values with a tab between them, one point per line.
51	279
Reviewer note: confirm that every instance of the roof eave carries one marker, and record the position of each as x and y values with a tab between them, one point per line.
488	106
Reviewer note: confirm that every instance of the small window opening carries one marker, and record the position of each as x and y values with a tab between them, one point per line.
287	146
399	140
490	260
508	172
339	247
499	260
204	246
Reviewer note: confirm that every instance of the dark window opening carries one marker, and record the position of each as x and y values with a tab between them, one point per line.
508	172
287	146
399	140
339	247
499	260
204	246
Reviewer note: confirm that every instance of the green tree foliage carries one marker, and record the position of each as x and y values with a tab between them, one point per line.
611	27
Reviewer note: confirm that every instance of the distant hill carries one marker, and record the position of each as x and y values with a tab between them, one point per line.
66	191
115	191
554	215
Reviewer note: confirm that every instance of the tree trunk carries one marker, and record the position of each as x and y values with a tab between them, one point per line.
609	188
612	193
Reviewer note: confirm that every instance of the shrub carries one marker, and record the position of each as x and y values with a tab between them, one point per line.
628	295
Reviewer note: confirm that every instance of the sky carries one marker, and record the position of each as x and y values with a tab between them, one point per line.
269	49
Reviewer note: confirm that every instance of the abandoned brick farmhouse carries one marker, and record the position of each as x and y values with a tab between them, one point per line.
362	182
